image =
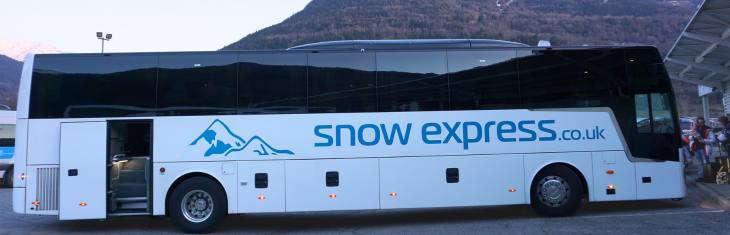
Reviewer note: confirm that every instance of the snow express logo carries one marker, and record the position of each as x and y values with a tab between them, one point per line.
223	141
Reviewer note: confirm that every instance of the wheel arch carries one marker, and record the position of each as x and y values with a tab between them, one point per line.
186	176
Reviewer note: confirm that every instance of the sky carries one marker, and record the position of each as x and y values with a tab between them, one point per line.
140	25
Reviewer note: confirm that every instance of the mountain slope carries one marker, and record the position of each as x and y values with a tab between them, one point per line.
10	71
563	22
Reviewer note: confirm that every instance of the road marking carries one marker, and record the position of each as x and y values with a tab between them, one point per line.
668	213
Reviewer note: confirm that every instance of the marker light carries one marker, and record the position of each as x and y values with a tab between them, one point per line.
512	190
333	196
36	203
610	172
82	204
393	194
610	187
162	170
262	197
22	176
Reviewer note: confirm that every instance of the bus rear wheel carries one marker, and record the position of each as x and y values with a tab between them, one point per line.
9	177
556	191
198	205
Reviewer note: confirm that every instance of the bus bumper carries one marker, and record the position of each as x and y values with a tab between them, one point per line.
19	200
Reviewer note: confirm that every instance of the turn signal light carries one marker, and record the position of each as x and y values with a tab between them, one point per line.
610	172
333	196
512	190
36	203
82	204
262	198
610	187
393	194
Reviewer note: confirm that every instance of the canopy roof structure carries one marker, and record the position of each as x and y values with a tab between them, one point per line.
701	55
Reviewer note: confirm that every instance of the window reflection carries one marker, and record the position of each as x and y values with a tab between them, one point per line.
341	82
662	113
412	81
483	80
197	85
93	86
272	83
643	120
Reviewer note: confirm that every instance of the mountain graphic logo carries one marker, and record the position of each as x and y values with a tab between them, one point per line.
223	141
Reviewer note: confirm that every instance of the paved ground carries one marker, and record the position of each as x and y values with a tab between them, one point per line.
696	214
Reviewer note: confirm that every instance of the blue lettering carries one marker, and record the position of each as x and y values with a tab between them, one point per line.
486	130
339	138
425	133
600	133
396	128
360	135
533	136
452	132
553	136
565	138
588	136
501	131
573	136
320	134
466	133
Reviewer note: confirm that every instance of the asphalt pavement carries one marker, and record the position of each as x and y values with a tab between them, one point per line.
698	213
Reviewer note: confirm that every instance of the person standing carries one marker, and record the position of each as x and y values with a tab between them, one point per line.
702	139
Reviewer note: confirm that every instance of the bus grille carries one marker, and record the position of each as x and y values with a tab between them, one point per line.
47	189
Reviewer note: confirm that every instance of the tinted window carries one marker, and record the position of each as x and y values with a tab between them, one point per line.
94	86
272	83
342	82
483	80
646	70
412	81
197	85
573	78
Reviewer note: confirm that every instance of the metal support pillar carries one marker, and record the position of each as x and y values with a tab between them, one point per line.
705	108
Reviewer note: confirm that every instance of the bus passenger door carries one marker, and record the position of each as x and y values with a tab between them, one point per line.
83	171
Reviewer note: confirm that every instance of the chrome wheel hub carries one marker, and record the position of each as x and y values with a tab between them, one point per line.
553	191
197	206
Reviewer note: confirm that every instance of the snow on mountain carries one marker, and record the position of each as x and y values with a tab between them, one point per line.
19	49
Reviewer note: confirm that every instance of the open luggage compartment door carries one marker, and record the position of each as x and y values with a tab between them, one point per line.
83	171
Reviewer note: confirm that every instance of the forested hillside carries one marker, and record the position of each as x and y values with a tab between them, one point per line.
563	22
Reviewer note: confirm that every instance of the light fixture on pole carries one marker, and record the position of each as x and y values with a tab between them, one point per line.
99	36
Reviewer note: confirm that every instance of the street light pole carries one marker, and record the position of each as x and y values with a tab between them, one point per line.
107	38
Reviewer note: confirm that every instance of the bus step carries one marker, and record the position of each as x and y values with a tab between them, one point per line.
132	199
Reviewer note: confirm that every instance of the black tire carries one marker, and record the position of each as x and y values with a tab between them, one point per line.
8	178
193	187
552	204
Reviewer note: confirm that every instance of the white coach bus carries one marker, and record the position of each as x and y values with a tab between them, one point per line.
349	125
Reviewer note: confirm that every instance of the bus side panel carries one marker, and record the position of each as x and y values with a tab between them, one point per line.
422	181
307	190
622	176
19	200
268	197
580	160
21	143
220	171
658	180
45	134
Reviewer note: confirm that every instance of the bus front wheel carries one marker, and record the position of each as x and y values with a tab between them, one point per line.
198	205
556	191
